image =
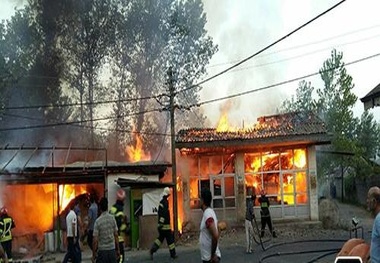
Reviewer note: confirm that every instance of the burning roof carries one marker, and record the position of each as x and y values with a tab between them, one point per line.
296	127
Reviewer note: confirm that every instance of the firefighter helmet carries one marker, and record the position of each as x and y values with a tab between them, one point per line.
120	195
166	191
3	211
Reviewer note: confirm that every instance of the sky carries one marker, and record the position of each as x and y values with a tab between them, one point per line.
240	28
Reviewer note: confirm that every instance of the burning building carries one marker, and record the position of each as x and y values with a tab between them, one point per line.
38	183
277	154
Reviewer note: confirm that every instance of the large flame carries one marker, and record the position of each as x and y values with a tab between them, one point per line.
68	193
136	153
271	162
222	124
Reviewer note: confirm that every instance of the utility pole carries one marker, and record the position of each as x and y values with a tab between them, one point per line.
172	137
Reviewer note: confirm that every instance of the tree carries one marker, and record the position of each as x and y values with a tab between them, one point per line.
303	100
87	34
152	36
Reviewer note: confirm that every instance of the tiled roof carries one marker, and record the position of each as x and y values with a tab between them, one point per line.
275	126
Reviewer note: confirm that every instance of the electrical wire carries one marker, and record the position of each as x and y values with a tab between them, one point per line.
81	104
276	84
95	128
262	50
197	104
300	46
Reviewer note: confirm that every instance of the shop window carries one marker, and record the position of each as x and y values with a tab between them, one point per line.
299	159
286	159
271	162
216	166
301	198
301	182
271	183
230	202
229	186
252	163
229	164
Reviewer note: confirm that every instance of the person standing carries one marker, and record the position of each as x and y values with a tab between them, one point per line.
105	247
373	204
6	225
209	235
265	214
92	216
73	251
249	216
164	229
117	210
3	255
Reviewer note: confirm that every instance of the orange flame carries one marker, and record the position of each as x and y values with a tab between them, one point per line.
69	192
136	153
222	124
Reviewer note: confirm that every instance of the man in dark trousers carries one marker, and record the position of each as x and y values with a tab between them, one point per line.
249	217
6	226
117	210
164	229
265	214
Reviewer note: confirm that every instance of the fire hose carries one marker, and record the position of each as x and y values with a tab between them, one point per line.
326	252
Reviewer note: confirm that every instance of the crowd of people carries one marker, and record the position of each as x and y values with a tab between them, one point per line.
107	228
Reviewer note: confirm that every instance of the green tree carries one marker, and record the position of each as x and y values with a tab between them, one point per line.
302	101
335	103
87	34
152	36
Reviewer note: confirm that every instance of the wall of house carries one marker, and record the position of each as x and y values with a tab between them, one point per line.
240	189
294	192
313	186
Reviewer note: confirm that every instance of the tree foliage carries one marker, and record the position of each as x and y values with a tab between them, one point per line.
334	103
71	56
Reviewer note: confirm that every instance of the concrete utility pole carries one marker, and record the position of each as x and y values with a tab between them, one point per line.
172	137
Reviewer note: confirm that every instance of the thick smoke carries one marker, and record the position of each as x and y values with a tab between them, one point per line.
237	39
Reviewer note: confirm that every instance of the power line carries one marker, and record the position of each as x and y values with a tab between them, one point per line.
276	84
74	122
187	107
81	104
303	55
262	50
300	46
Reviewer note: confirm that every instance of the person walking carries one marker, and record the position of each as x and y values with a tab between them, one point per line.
373	204
73	249
164	229
209	235
6	225
105	247
92	216
249	217
117	210
265	214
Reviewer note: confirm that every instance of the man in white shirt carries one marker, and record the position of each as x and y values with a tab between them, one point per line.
209	235
73	252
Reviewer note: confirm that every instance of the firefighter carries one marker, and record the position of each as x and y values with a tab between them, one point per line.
265	214
3	255
117	210
164	229
6	225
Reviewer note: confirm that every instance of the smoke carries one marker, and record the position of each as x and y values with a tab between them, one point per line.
239	32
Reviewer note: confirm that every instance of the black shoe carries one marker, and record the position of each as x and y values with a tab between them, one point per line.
174	257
